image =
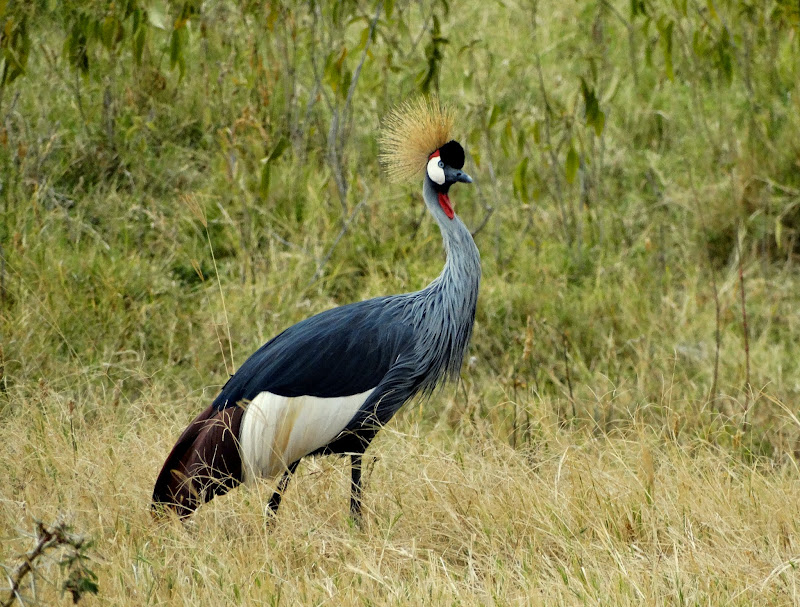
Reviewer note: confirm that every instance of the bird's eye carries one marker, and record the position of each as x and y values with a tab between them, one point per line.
441	164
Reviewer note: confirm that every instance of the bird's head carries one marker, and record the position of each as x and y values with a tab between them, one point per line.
416	136
444	169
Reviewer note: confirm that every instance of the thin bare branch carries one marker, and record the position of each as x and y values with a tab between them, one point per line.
342	232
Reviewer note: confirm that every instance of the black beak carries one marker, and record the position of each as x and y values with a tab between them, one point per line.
453	175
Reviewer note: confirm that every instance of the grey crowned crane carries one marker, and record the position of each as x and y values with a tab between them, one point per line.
327	384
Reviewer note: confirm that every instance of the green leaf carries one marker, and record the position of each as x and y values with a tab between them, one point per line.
177	44
638	7
279	148
347	78
494	115
520	185
16	44
333	70
594	117
109	30
571	165
666	47
724	59
138	45
174	48
507	138
75	46
599	123
612	88
537	132
698	44
266	171
263	186
362	43
711	10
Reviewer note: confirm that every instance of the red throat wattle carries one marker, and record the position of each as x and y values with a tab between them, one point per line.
444	202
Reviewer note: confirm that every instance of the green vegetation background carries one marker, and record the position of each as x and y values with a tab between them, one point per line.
182	180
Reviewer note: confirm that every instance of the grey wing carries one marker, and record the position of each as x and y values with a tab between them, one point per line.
340	352
398	386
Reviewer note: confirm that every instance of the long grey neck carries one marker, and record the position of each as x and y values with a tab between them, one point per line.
463	265
445	310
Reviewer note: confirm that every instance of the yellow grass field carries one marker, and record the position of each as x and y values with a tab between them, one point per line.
580	518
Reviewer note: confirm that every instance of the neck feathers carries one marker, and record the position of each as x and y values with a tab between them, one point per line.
463	265
449	302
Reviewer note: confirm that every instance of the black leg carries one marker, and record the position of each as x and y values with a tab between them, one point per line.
355	488
275	500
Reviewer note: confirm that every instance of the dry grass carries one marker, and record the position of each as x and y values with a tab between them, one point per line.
452	518
604	446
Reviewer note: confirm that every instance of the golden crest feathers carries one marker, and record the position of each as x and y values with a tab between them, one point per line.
411	133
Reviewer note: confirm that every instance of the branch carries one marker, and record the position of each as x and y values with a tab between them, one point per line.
47	537
342	232
337	135
548	110
485	220
745	332
357	73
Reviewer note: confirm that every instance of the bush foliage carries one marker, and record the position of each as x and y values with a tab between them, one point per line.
627	157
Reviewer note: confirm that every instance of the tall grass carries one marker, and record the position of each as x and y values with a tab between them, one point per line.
612	439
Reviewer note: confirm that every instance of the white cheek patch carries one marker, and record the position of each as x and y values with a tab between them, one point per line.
435	172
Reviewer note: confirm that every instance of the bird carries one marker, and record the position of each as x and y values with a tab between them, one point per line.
327	384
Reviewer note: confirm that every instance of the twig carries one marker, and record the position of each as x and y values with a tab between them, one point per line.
566	367
200	215
484	221
79	99
2	278
224	307
284	242
422	32
548	110
342	232
351	91
631	39
717	337
488	209
3	383
47	537
746	335
712	395
337	135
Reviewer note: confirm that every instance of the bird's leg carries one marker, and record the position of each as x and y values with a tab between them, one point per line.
275	500
355	488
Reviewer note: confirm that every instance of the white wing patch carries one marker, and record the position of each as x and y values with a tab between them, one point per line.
279	430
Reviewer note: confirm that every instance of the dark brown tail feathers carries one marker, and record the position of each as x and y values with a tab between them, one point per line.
205	462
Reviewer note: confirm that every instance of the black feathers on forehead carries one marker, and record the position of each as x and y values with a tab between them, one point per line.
452	154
